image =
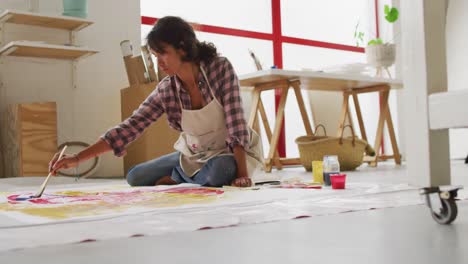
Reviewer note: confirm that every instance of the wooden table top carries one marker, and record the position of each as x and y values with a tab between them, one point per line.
311	80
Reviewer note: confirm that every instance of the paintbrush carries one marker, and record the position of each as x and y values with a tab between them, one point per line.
44	184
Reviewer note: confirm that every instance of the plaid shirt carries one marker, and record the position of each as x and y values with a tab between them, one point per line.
163	99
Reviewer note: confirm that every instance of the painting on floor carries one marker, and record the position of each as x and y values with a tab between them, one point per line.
66	205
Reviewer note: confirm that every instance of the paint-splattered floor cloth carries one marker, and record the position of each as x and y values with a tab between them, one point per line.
81	214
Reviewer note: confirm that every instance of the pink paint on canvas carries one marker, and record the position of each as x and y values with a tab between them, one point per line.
110	197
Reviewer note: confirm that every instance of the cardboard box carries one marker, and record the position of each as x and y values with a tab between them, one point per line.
157	140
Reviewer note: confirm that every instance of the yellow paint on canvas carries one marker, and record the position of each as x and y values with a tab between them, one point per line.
75	193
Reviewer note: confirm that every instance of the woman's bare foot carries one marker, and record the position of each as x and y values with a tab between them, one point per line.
166	180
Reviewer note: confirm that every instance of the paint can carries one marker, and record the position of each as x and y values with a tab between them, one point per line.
75	8
317	171
338	181
331	165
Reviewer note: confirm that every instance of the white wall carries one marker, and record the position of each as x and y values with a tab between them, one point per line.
457	66
89	110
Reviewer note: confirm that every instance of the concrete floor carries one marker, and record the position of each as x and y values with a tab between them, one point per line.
396	235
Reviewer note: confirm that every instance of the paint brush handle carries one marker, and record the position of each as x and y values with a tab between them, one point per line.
44	184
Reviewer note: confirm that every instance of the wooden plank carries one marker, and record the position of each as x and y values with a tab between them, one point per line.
316	80
10	142
266	125
127	56
357	106
256	127
373	89
334	85
371	159
38	137
264	78
140	69
380	126
2	168
278	122
41	50
391	133
300	103
149	64
135	65
35	19
31	138
129	69
273	85
290	161
47	53
254	108
344	113
268	165
386	157
350	119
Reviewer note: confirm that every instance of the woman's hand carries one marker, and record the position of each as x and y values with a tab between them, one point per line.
66	162
242	179
242	182
71	161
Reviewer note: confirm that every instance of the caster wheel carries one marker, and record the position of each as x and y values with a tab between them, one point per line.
447	213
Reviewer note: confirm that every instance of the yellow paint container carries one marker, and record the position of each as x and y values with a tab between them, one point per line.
317	171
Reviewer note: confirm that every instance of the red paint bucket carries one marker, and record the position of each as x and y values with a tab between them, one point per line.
338	181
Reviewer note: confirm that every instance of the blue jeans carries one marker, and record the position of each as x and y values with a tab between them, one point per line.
217	172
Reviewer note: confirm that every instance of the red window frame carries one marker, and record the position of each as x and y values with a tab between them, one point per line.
277	39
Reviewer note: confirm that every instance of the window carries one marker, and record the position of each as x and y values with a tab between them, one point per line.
329	21
230	14
315	35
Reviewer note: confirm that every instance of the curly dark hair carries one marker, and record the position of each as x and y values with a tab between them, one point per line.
178	33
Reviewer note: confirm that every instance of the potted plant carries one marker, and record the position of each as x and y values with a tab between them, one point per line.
379	54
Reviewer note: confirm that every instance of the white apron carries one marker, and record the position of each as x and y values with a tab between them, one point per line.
204	137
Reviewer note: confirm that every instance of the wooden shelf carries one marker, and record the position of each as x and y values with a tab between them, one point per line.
34	19
43	50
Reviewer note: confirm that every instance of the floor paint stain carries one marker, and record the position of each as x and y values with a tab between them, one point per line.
301	216
87	240
297	186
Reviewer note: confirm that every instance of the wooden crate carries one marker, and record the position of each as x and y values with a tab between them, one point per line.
2	172
29	138
157	140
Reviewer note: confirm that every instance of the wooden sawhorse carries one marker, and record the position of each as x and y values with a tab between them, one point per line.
384	117
257	107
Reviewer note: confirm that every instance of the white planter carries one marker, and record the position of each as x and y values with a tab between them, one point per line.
382	55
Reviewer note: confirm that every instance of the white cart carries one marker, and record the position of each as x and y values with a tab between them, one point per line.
429	109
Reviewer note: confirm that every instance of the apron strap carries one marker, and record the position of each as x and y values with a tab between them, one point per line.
207	82
174	86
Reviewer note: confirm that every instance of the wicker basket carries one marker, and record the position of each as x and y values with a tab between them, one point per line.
350	150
